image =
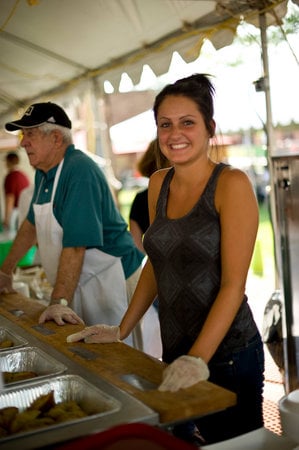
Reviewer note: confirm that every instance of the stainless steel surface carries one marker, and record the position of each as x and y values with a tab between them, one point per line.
6	334
138	382
130	410
30	359
286	173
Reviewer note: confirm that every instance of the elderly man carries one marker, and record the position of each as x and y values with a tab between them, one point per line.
86	250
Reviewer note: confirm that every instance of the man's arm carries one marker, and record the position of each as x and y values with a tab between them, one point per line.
24	240
9	205
68	274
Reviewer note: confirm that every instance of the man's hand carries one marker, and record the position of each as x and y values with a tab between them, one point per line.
6	283
61	315
96	334
184	372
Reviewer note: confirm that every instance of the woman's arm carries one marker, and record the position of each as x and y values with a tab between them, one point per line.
235	200
144	295
146	289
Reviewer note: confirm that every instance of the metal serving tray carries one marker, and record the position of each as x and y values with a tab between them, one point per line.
17	340
30	359
92	400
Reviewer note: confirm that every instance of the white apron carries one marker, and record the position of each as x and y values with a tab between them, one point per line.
100	296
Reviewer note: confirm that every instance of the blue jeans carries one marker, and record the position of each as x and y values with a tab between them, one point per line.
243	373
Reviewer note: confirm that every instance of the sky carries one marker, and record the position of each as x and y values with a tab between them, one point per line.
237	104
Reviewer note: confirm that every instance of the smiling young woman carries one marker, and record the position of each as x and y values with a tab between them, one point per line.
203	226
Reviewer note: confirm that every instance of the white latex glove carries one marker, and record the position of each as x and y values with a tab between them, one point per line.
96	334
184	372
6	283
61	315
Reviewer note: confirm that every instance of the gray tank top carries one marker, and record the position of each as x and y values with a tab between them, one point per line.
185	254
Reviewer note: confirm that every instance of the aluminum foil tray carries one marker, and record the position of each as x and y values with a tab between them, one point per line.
91	399
6	335
30	359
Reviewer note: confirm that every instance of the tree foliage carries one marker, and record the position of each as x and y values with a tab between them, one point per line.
275	34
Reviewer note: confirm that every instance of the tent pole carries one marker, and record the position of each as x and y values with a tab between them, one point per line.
270	140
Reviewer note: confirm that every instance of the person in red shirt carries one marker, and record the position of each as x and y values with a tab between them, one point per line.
15	181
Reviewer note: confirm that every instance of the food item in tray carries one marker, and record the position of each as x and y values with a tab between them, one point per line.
29	420
43	411
6	343
43	403
66	411
22	420
7	415
13	377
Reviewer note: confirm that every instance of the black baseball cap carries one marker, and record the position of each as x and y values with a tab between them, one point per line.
38	114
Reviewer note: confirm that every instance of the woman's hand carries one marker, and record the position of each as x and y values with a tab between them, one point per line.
97	334
184	372
61	315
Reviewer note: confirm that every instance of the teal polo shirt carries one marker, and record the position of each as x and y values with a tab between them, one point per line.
85	209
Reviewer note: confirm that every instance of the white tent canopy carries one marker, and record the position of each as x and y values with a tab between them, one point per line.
50	46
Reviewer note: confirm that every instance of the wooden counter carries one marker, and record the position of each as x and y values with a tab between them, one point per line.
113	362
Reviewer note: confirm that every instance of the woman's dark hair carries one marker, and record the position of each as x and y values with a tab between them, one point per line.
152	160
198	88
